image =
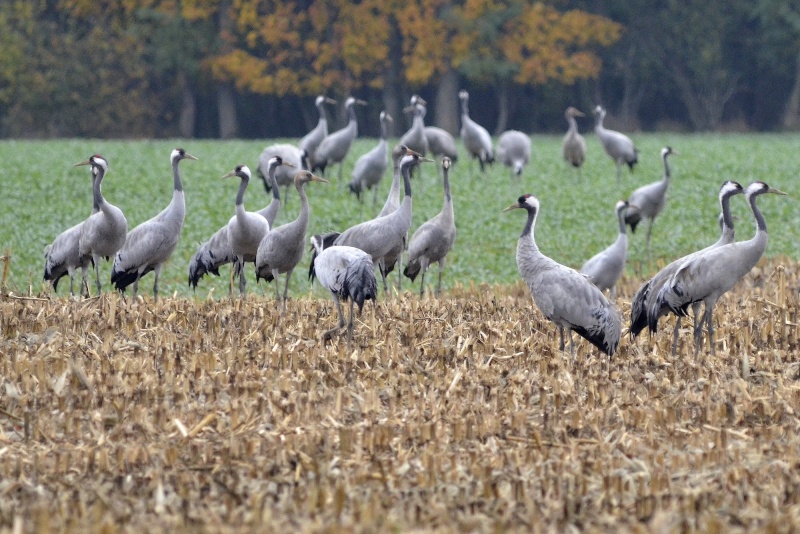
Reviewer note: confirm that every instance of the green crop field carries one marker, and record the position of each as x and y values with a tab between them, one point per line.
43	195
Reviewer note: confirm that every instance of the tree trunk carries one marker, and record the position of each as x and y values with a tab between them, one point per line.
791	115
392	79
226	101
632	92
502	107
447	113
188	114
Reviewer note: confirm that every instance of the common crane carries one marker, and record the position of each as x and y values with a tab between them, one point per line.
281	249
475	137
563	295
433	239
574	145
514	150
152	243
335	146
293	159
348	273
441	143
102	234
648	200
370	167
415	138
618	146
645	296
707	276
312	139
605	268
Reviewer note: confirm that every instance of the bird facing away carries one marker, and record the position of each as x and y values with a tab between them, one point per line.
574	145
649	200
605	268
246	229
415	138
348	273
645	296
102	234
618	146
370	167
441	143
475	137
706	277
312	139
514	150
148	246
62	256
216	252
293	158
563	295
433	240
281	249
334	147
380	236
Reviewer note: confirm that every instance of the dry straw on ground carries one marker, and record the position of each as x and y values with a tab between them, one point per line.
456	414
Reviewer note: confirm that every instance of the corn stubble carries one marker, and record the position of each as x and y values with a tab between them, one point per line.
456	414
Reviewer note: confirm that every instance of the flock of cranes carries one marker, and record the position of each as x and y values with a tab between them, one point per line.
345	262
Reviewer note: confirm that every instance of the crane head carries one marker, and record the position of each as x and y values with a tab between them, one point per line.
179	154
242	171
526	202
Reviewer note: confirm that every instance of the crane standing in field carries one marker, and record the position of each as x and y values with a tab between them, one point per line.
246	229
102	234
605	268
348	273
216	252
563	295
379	237
618	146
441	143
148	246
415	138
62	256
574	145
334	147
475	137
707	276
312	139
514	150
649	200
433	240
645	296
370	167
281	249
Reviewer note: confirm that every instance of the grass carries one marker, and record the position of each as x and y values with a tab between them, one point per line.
44	194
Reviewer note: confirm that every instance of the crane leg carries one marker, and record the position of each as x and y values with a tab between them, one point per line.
647	238
350	326
561	338
97	275
84	283
400	271
422	285
327	335
675	332
71	284
619	171
441	270
157	273
285	289
710	328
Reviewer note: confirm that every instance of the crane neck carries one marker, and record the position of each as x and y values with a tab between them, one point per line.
573	124
464	108
727	219
448	199
598	125
621	220
530	224
384	130
242	189
406	170
351	113
667	173
276	195
302	218
761	224
97	194
323	118
176	175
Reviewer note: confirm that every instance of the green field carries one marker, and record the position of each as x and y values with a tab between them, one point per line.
43	195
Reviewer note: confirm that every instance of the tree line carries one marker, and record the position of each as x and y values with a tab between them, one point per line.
251	68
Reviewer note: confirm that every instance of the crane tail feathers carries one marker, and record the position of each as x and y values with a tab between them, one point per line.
360	283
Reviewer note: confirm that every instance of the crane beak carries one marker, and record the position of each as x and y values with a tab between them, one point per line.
421	100
426	160
287	164
87	162
361	102
315	178
389	118
330	100
513	206
579	113
230	174
408	109
777	191
189	156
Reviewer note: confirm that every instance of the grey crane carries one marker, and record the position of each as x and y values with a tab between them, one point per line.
246	229
293	158
102	234
475	137
441	143
370	167
605	268
335	146
348	273
618	146
312	139
216	252
563	295
148	246
707	276
415	138
62	256
649	199
433	239
380	236
281	249
574	145
514	150
645	296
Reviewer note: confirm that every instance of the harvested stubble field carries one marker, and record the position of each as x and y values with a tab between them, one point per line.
456	414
